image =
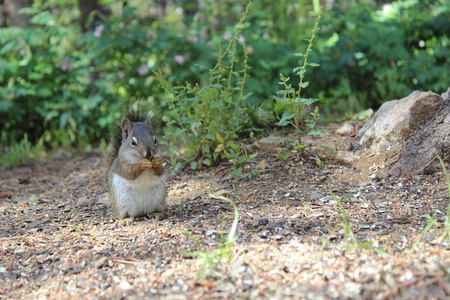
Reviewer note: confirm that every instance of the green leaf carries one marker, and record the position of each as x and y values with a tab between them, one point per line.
331	151
306	101
286	80
43	92
43	18
285	155
206	149
252	156
362	115
28	11
303	84
207	161
280	105
285	119
314	65
209	136
273	139
318	132
5	105
298	54
244	97
282	92
179	131
301	146
194	165
35	76
219	138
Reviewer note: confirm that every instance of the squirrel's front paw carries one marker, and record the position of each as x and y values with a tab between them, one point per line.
157	162
145	164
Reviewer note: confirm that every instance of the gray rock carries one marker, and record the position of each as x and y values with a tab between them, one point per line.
345	129
446	95
315	196
394	122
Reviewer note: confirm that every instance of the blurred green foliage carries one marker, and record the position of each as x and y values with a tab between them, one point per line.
66	85
369	56
207	119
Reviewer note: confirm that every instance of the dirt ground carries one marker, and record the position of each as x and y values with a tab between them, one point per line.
60	240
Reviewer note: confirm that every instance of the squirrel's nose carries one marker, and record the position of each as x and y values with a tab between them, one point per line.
147	153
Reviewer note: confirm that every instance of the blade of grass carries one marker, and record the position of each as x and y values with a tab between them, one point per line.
447	219
433	222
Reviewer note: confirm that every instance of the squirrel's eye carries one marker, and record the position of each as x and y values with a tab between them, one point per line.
133	142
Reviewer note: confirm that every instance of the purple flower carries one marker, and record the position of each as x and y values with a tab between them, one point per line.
98	30
65	65
241	39
227	35
192	39
179	59
143	69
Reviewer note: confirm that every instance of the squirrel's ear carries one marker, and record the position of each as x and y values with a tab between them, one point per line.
126	126
148	121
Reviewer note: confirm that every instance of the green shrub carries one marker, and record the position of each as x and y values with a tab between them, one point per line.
207	120
66	85
370	55
22	153
40	83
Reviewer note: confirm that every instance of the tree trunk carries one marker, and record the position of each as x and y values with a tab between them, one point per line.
419	155
12	8
86	8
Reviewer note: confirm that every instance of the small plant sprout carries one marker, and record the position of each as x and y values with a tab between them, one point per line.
446	234
290	100
294	109
432	221
349	236
207	260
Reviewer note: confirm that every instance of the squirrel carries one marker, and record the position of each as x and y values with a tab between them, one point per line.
136	177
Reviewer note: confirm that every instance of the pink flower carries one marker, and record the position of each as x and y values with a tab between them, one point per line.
143	69
192	39
65	65
179	59
98	30
241	39
227	35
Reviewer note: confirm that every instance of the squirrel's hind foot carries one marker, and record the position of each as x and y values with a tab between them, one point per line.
125	221
156	215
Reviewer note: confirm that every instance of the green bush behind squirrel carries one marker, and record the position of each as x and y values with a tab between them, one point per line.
136	177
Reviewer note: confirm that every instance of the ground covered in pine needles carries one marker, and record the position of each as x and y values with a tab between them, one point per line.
60	240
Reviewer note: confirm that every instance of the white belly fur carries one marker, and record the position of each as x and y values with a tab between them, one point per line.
146	194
